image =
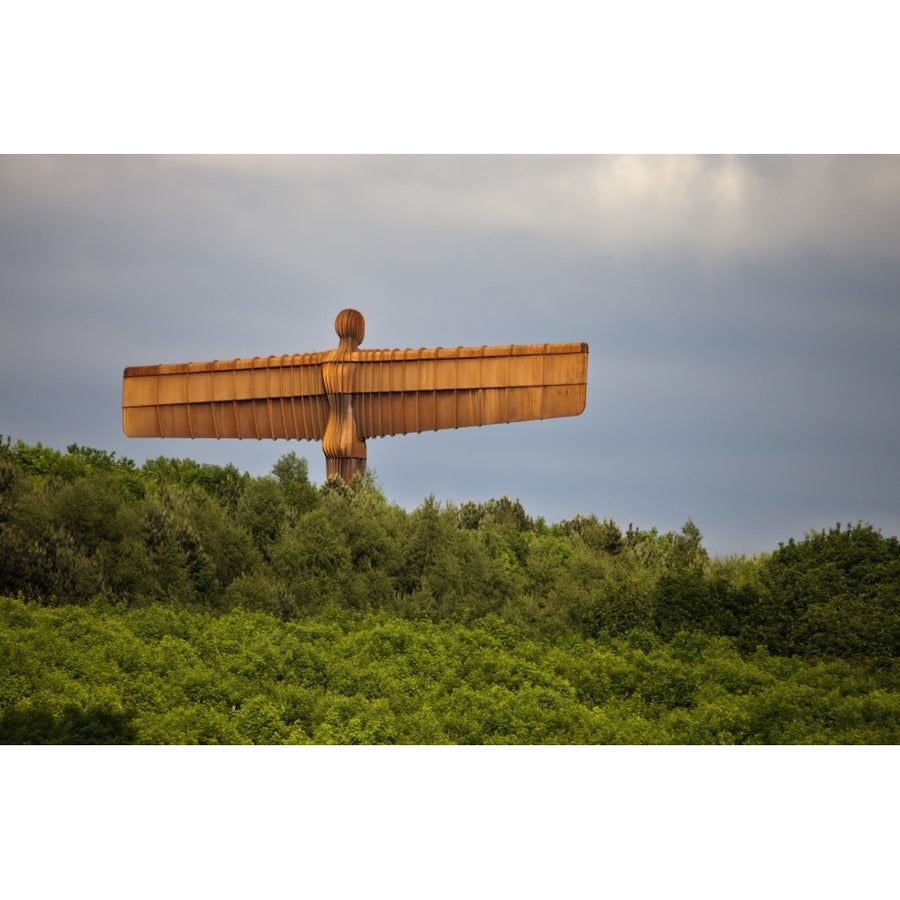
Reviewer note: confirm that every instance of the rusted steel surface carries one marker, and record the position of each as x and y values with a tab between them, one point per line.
344	396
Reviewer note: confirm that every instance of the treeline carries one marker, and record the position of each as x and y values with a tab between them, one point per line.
87	529
82	524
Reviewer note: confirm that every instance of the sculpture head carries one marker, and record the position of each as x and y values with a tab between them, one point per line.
351	329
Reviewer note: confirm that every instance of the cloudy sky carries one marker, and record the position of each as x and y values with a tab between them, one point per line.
743	316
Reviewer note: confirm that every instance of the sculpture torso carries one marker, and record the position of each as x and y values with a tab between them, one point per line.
345	451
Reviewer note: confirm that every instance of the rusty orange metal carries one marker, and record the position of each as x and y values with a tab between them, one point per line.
343	397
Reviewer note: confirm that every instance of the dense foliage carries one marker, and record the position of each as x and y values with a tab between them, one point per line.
177	602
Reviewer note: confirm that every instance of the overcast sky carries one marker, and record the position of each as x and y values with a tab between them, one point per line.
743	316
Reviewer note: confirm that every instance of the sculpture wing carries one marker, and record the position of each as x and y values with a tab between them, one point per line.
394	391
404	391
272	397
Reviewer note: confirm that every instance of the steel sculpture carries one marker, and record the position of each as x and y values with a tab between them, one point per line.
344	396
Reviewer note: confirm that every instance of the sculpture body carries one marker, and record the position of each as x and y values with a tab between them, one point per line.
344	396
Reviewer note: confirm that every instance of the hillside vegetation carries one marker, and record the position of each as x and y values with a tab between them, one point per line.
177	602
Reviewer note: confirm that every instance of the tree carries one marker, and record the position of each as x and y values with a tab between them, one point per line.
262	510
601	537
292	473
834	594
